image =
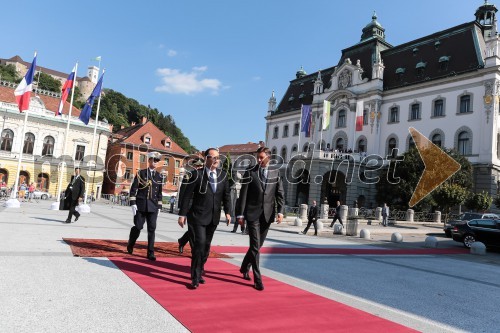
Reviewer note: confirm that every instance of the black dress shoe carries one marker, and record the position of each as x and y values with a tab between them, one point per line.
67	221
77	217
246	276
202	280
233	231
130	249
181	247
259	286
194	285
151	257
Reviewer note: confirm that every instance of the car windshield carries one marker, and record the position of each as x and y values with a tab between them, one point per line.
470	216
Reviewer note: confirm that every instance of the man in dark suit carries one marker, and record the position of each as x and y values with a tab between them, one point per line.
260	195
196	164
337	216
208	188
146	203
74	195
312	216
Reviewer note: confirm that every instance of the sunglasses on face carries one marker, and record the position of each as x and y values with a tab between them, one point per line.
156	160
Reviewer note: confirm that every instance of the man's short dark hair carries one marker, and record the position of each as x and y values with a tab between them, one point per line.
265	150
208	151
77	168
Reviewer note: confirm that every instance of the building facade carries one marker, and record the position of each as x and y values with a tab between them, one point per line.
127	153
446	85
44	141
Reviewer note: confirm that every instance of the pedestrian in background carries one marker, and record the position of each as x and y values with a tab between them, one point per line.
337	216
385	214
312	216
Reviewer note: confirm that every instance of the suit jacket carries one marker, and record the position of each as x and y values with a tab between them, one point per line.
313	213
257	198
146	191
205	206
385	211
76	188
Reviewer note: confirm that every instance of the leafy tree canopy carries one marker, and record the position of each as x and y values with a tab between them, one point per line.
9	73
47	82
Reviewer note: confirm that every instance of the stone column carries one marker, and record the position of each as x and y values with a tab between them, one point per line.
409	215
303	212
437	216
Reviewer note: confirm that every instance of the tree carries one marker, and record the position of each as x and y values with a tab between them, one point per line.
409	172
449	195
228	167
9	73
480	202
47	82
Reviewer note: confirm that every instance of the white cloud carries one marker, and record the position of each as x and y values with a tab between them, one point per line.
256	78
176	82
172	53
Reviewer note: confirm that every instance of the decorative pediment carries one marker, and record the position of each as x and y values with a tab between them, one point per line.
81	140
347	75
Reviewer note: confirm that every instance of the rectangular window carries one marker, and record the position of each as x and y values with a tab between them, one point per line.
80	153
166	162
177	163
438	108
275	133
285	131
127	174
365	117
295	129
142	158
130	155
147	140
394	115
465	104
415	112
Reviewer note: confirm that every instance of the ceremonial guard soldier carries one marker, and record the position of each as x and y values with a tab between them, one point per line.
146	203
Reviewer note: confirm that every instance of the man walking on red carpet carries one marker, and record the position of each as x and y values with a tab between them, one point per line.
260	195
209	188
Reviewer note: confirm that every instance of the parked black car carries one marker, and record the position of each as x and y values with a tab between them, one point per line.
448	226
486	231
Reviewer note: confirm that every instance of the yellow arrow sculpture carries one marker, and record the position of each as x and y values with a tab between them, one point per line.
439	166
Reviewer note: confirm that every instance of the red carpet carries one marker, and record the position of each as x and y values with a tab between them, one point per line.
354	251
82	247
227	303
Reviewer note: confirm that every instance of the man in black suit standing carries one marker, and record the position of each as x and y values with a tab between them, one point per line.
312	216
260	195
209	188
74	195
337	216
146	203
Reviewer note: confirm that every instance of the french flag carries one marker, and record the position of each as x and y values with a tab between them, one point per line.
24	89
68	85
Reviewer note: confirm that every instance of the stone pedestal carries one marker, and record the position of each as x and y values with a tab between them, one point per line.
365	233
396	237
319	224
343	212
431	242
324	211
337	229
410	213
437	217
303	212
378	214
297	222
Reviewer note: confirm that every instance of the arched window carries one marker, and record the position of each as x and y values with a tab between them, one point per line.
391	147
305	149
341	120
361	145
294	149
436	139
29	142
283	153
7	138
274	151
463	143
48	146
339	144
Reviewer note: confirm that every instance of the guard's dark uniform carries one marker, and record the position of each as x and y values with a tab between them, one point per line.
146	193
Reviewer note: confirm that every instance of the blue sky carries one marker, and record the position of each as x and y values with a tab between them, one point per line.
212	65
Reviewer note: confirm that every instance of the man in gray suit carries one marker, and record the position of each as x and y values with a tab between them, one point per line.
260	196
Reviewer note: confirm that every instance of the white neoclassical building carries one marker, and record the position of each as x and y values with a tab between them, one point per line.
446	85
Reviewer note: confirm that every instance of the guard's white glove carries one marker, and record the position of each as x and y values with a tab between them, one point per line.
134	209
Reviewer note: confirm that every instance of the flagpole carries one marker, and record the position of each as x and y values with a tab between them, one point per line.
299	150
66	133
93	141
16	183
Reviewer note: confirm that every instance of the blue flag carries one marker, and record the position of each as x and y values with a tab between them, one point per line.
87	109
306	120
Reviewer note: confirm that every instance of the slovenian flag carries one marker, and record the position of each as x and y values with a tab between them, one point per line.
68	85
359	116
306	120
87	109
24	89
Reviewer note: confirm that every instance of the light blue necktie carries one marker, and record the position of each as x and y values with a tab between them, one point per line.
211	179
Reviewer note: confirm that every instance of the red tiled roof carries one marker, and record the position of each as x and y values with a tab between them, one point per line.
51	103
133	135
244	148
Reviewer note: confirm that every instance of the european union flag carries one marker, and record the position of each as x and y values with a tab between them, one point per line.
87	109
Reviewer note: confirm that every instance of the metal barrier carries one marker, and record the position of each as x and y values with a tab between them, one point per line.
291	211
118	200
